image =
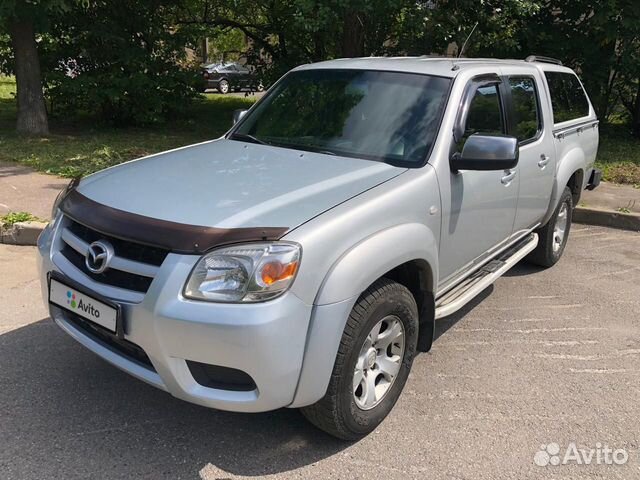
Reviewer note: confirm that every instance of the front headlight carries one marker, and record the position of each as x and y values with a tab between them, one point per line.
244	273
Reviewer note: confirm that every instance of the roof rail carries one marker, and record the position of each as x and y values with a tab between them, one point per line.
538	58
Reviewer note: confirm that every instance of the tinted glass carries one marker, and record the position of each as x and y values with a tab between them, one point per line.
567	97
485	112
525	107
386	116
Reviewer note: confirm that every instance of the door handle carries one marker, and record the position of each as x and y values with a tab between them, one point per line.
544	159
509	174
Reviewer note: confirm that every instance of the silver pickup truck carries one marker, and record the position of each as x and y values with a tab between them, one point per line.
302	259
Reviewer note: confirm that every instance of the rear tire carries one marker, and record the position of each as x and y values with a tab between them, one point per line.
372	365
554	235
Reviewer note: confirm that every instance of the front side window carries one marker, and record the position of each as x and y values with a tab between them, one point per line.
567	97
485	112
386	116
526	122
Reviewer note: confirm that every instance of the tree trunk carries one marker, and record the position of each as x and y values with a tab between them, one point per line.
352	35
32	113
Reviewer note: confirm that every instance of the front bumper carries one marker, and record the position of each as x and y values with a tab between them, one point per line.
264	340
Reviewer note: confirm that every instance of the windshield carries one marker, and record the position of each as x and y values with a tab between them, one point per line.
387	116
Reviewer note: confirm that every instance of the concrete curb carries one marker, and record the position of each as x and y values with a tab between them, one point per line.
607	218
21	233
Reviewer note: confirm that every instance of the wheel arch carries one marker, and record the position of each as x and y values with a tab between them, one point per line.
403	250
570	173
411	261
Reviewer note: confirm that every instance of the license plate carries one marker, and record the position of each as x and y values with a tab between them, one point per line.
83	305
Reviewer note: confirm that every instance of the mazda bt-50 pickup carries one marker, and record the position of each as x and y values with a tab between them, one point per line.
302	259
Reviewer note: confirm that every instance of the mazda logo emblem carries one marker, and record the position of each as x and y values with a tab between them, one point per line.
98	256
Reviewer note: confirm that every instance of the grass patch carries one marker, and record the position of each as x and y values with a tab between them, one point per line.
12	218
81	146
619	155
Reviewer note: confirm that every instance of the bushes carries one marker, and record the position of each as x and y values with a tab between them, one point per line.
125	64
140	94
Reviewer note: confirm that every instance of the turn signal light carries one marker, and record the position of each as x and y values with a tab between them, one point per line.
273	272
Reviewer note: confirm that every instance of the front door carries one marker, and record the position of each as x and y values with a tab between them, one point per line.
478	207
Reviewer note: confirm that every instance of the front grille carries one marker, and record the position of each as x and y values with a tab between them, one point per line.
115	278
123	248
136	260
127	349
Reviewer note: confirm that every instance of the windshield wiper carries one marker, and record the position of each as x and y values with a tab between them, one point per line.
247	138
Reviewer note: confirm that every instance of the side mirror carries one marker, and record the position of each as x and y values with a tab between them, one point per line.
238	114
487	152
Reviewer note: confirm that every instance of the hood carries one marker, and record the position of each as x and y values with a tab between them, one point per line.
231	184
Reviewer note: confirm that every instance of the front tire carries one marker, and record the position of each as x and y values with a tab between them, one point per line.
554	235
223	87
372	365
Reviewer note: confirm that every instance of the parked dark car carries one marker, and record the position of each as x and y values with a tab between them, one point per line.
230	77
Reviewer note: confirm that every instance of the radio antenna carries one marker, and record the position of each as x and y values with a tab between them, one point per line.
465	42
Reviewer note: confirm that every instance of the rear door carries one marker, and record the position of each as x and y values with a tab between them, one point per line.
231	72
530	121
243	76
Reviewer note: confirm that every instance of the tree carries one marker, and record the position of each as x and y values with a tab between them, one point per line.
21	18
126	65
601	40
286	33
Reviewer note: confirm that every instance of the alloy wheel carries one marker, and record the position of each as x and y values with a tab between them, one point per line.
560	228
379	362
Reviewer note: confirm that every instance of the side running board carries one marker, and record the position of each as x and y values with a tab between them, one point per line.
469	288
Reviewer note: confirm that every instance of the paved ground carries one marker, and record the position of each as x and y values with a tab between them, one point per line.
23	190
544	356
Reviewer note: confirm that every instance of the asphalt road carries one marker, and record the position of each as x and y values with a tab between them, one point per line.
543	356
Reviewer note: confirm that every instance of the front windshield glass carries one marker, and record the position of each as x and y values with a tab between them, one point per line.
387	116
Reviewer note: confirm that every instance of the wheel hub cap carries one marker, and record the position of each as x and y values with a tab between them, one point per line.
379	362
371	358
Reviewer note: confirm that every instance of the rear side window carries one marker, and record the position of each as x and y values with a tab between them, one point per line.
485	113
525	108
567	97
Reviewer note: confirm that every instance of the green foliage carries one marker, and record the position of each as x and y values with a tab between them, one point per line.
12	218
36	9
601	40
225	45
124	64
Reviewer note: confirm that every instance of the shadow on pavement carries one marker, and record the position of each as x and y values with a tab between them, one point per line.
11	169
65	413
444	324
522	269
